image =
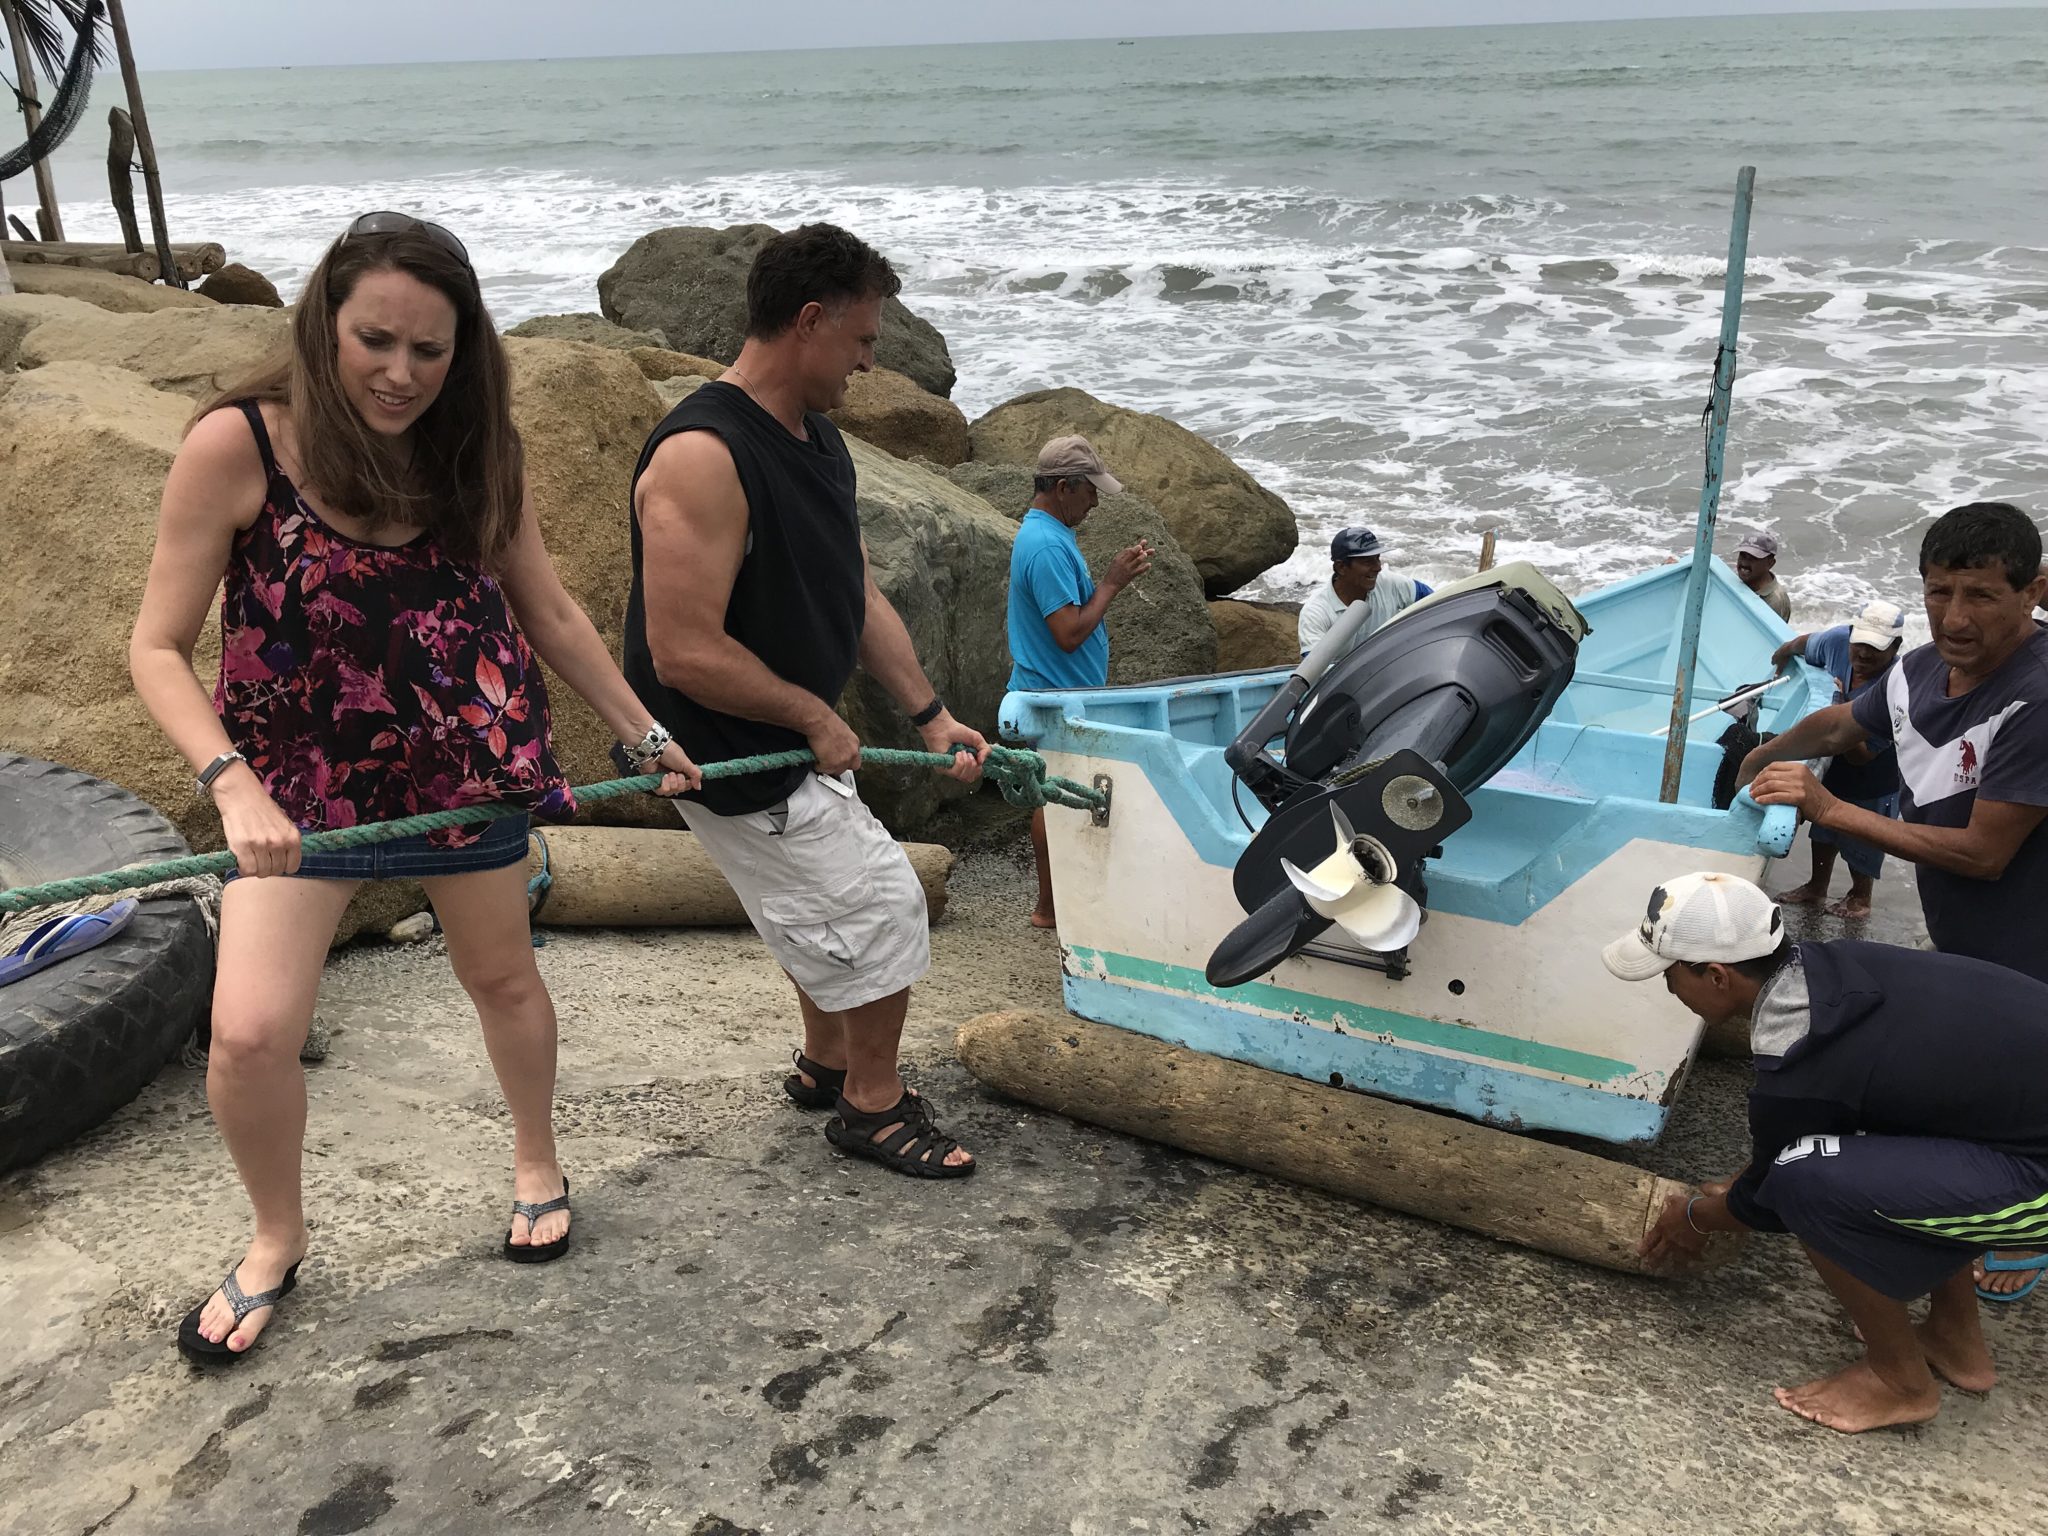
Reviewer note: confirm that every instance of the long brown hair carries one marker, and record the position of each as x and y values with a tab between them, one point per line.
465	477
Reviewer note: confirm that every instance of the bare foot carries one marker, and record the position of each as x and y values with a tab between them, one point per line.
535	1184
2004	1282
1041	917
262	1269
1855	908
1806	895
1856	1398
1962	1362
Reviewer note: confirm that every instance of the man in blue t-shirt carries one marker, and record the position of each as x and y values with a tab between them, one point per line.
1857	656
1057	637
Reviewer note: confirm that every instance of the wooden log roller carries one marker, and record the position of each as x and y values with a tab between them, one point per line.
645	877
1488	1181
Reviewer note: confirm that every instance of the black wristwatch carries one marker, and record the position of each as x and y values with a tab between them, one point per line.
929	713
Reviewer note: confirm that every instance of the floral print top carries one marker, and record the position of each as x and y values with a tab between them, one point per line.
365	683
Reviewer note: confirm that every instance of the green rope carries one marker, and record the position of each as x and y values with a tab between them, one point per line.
1019	774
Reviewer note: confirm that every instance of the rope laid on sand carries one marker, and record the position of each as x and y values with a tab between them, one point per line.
1021	775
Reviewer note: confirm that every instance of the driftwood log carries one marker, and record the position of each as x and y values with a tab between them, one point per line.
644	877
193	261
1488	1181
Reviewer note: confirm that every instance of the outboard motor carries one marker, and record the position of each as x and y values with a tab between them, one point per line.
1380	749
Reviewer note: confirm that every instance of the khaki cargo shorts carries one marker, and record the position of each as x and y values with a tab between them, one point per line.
828	889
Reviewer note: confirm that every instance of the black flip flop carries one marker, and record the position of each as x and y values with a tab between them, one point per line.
538	1253
824	1088
201	1350
916	1147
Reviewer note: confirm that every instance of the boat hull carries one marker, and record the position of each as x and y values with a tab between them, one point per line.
1505	1013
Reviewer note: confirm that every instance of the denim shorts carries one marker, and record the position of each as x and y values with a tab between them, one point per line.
411	858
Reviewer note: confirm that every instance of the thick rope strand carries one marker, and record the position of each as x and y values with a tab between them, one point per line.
1020	775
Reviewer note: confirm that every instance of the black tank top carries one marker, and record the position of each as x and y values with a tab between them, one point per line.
798	602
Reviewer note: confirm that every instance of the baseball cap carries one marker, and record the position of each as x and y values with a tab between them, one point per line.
1761	544
1880	624
1700	917
1068	457
1356	544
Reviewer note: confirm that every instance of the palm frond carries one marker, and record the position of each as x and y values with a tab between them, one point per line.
51	26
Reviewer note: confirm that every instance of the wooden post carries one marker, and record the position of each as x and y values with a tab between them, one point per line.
645	877
1716	414
32	114
1486	551
152	185
1493	1182
120	177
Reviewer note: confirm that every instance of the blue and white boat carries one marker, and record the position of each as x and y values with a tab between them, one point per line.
1411	897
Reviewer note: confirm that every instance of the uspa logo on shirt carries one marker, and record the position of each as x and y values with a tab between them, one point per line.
1966	764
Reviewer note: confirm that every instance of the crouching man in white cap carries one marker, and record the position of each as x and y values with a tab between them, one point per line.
1895	1134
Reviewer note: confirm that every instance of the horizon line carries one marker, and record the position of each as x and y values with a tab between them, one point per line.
1851	7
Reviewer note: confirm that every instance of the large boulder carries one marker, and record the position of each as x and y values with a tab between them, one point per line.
237	284
659	363
1230	525
690	283
103	290
584	413
887	409
1159	627
21	313
585	326
83	453
188	352
1255	635
941	555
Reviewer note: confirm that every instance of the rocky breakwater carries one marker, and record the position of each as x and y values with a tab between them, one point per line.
95	396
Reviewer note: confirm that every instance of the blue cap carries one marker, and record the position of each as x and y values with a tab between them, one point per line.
1356	544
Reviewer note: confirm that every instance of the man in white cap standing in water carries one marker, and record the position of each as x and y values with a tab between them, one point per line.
1356	577
1756	562
1857	656
1895	1134
1057	637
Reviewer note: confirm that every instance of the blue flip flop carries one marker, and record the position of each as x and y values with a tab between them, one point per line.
1994	1264
62	937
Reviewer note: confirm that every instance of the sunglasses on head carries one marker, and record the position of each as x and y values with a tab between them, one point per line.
393	223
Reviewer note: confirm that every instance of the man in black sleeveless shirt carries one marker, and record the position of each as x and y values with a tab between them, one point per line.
751	605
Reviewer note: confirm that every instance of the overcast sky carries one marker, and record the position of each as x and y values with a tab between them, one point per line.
199	34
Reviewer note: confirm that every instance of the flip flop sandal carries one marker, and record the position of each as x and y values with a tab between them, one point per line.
201	1350
538	1253
62	937
826	1084
916	1147
1993	1264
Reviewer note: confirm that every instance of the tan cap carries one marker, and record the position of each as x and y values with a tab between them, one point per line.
1067	457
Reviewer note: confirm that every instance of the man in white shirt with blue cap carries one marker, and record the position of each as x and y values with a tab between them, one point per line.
1356	577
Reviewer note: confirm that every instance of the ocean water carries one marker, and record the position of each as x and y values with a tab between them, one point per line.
1436	281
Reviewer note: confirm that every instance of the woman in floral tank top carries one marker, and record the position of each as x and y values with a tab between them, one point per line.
386	595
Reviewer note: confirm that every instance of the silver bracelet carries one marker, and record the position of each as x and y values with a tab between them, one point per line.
1695	1200
650	747
216	768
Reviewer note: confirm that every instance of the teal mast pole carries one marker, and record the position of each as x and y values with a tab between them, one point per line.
1710	488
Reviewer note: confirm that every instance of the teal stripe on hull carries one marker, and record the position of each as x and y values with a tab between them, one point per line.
1356	1018
1475	1090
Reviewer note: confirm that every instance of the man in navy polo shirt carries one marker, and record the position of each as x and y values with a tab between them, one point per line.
1057	637
1894	1134
1968	717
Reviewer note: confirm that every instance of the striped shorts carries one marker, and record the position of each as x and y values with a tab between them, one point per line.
1903	1213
